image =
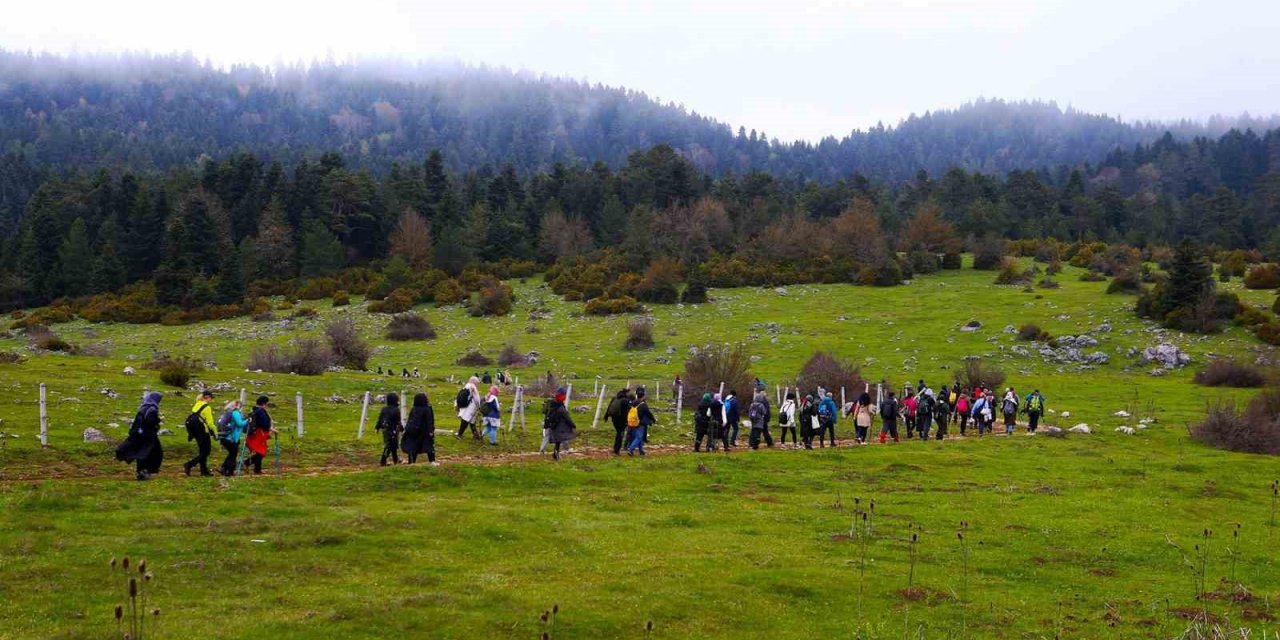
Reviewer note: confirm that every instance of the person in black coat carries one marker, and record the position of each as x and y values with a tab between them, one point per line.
558	422
617	413
143	444
420	430
389	424
702	425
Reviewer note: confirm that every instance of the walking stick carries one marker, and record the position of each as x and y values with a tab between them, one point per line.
279	468
244	444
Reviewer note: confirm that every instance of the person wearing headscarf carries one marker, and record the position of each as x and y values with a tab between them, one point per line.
758	412
702	424
862	417
787	419
260	431
469	407
617	414
718	423
420	431
558	423
142	446
808	421
492	412
231	428
390	425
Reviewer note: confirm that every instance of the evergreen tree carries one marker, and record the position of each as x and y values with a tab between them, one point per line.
108	272
696	290
147	218
1190	279
231	284
75	260
321	253
453	251
273	255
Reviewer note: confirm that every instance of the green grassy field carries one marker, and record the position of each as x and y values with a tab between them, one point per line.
1066	537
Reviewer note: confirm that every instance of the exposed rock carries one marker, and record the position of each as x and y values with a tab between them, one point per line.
336	399
1097	357
1008	328
1158	371
671	351
165	432
93	435
1105	327
1121	414
972	325
110	393
1066	414
1166	355
1052	431
1125	430
1080	428
128	371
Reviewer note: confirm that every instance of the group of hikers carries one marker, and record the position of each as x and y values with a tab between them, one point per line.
921	411
239	430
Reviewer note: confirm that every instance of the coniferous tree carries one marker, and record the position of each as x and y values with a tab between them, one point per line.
231	281
321	253
75	259
273	254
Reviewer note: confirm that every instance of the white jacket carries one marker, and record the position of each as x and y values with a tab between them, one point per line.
468	413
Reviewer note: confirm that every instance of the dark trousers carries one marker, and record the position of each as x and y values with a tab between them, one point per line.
922	426
701	431
888	428
941	421
390	448
619	433
964	422
462	428
229	464
732	433
756	434
256	461
860	433
1033	420
151	463
794	438
204	446
909	424
826	427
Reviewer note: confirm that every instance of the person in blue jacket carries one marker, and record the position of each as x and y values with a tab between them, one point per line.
732	416
231	429
827	416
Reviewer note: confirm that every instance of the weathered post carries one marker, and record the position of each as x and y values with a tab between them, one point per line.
44	417
568	394
599	401
364	415
298	398
679	402
242	396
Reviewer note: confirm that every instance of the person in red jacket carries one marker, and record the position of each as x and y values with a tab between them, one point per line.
260	431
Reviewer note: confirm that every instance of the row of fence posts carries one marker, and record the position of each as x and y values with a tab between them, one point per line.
517	405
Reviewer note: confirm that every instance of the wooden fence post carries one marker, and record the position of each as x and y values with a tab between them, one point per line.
298	398
600	400
44	417
679	402
242	396
364	415
568	393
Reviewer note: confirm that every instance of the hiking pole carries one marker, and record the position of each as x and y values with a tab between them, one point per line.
279	466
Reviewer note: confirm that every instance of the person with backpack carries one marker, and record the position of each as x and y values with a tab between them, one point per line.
828	413
732	417
1009	407
962	412
889	410
981	412
557	422
201	428
260	431
486	378
759	413
142	446
492	412
719	426
702	424
861	417
941	416
909	406
468	404
924	413
231	428
639	419
420	431
787	419
390	426
617	413
808	421
1034	408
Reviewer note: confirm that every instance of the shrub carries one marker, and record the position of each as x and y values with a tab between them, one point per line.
973	374
825	370
1255	430
887	274
474	358
447	292
317	288
988	254
495	299
696	291
1034	333
1053	268
1012	273
510	356
162	361
302	313
175	376
348	348
1092	276
659	283
44	339
270	358
639	334
713	365
1251	317
1225	372
1048	283
341	298
399	301
9	357
1268	332
951	260
309	357
1263	276
613	306
1126	281
410	326
924	262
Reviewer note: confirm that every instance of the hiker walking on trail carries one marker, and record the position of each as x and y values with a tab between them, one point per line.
982	412
720	426
231	428
390	426
1009	406
617	414
787	419
909	406
962	412
558	423
941	416
889	409
1034	408
808	421
420	431
827	415
732	417
142	446
260	431
468	405
862	418
492	415
759	414
702	424
924	413
200	427
639	419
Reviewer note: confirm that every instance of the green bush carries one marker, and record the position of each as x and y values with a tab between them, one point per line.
1264	276
613	306
400	301
341	299
448	291
175	376
495	299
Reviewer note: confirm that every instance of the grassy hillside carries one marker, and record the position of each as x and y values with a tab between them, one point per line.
1066	537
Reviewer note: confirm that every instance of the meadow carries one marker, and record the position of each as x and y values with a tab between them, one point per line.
1087	536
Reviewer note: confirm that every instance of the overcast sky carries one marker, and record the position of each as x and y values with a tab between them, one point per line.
794	69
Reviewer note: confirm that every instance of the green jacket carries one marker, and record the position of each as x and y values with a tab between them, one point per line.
206	416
